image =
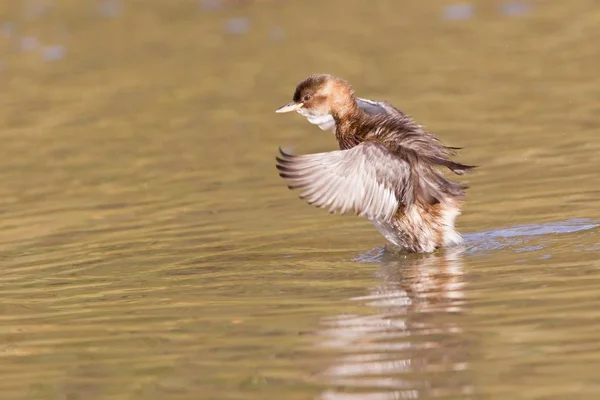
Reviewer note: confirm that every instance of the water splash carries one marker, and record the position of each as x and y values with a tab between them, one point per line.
496	239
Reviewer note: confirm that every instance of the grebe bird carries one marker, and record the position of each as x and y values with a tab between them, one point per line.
386	169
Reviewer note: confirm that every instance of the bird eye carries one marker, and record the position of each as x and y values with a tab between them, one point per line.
306	97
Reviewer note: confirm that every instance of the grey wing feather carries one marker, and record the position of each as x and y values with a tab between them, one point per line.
377	107
366	179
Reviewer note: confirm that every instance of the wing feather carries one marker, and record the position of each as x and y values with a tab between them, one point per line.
366	179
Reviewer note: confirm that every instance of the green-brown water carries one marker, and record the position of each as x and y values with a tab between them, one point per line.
149	250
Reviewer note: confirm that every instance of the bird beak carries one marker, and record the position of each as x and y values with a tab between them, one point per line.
289	107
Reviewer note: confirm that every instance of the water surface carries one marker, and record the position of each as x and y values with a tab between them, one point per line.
150	251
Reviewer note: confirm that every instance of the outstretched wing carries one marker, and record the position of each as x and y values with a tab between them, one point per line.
366	179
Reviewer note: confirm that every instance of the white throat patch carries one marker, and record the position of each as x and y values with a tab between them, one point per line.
325	122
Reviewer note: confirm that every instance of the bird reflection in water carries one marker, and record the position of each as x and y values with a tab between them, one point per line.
412	346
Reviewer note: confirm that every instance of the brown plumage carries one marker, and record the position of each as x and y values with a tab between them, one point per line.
385	170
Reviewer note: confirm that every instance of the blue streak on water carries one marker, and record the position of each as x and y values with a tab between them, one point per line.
516	235
569	226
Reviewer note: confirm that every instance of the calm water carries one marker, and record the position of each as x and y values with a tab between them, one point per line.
149	250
